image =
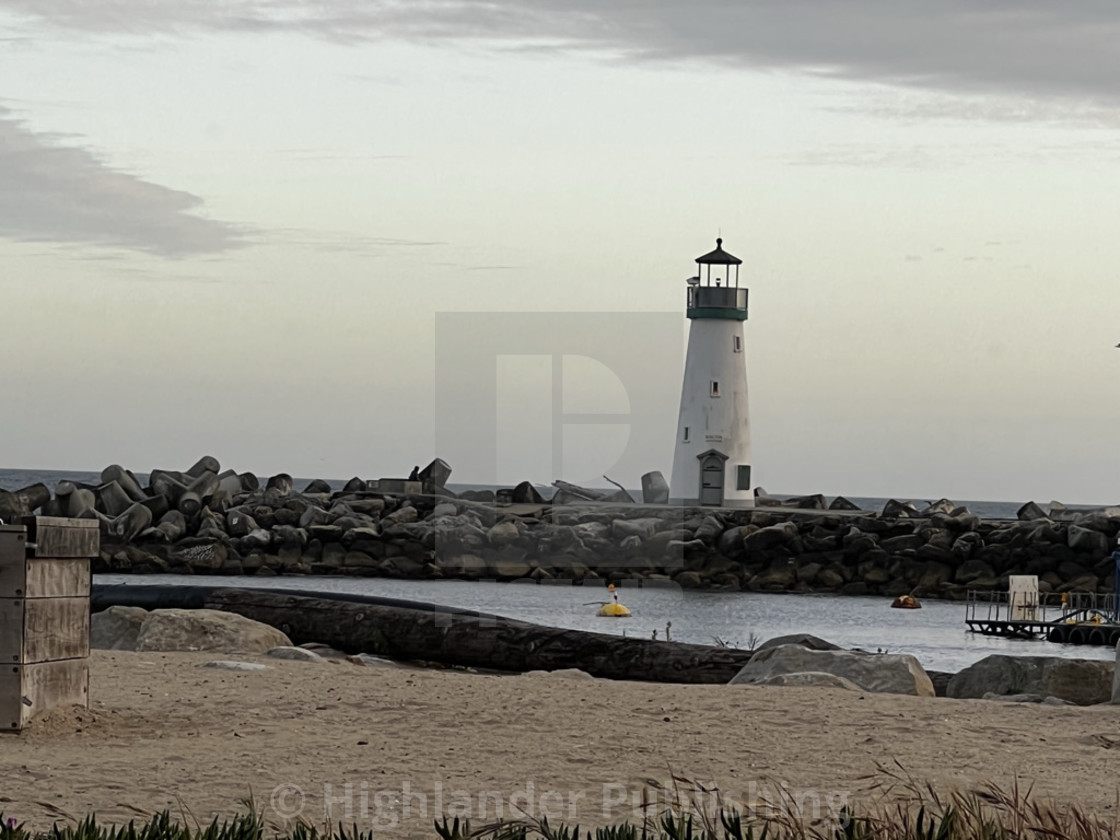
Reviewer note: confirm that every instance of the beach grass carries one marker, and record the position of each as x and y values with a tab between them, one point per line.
896	807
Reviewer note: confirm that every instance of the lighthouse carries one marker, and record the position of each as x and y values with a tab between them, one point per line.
712	460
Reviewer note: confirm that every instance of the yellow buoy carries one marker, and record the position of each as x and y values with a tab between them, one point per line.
613	609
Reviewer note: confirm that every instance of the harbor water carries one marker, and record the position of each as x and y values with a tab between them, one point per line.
935	634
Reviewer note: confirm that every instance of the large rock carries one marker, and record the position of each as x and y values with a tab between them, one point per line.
655	489
895	509
116	628
296	654
209	630
526	494
643	528
811	678
887	673
229	665
805	640
1030	512
1085	539
503	533
770	537
435	474
1080	681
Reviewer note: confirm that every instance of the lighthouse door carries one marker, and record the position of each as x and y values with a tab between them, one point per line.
711	481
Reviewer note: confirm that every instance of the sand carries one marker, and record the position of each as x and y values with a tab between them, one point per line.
165	733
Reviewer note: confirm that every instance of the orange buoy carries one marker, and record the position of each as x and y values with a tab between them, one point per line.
905	602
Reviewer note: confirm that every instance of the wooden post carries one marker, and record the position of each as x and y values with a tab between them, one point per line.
44	616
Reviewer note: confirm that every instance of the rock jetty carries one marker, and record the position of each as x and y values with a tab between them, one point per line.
208	521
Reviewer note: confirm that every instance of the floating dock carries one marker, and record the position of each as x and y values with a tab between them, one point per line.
1076	618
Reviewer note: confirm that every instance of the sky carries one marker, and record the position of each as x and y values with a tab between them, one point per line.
277	232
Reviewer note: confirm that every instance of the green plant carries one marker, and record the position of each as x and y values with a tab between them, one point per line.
893	806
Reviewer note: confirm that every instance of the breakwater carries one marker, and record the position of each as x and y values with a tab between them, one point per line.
207	521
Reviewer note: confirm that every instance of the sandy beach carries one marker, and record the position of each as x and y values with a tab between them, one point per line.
387	748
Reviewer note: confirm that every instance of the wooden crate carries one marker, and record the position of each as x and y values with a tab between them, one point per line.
44	616
27	690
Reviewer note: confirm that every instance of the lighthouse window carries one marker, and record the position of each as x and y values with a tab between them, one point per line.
738	342
715	388
743	477
686	434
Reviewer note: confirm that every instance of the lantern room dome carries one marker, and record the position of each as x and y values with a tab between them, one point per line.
718	257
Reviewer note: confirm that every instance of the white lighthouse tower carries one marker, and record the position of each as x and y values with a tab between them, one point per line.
712	462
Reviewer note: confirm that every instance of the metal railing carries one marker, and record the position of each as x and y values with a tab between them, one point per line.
1049	608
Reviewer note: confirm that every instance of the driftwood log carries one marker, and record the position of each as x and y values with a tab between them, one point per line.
466	640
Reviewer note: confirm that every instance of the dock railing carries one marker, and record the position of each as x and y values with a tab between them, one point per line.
1051	607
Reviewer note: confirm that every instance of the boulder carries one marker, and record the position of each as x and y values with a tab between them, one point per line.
709	530
778	577
655	489
940	506
116	628
1080	681
403	515
229	665
887	673
903	542
964	546
210	630
207	463
112	500
770	537
26	501
829	578
129	524
1030	512
560	673
1013	698
894	509
296	654
643	528
368	661
1086	539
435	474
809	678
201	555
317	485
526	494
126	480
840	503
689	580
804	640
503	533
971	570
282	483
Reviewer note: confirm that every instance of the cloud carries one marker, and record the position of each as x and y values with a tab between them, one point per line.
57	193
344	242
1031	48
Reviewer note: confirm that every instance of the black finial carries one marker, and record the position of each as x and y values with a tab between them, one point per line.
719	241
